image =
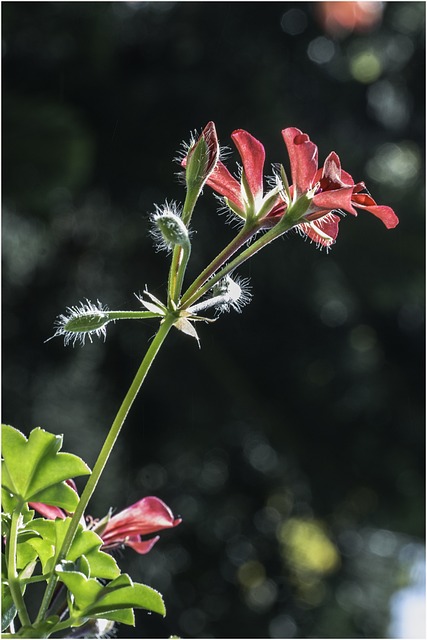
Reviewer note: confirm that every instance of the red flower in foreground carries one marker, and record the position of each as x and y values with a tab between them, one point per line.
145	517
245	197
329	189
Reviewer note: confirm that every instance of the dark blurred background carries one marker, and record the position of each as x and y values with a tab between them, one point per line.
292	442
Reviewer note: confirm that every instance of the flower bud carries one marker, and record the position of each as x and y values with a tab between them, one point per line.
79	322
226	294
172	229
168	228
202	158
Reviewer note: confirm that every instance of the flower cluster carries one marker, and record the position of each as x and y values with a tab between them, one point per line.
326	191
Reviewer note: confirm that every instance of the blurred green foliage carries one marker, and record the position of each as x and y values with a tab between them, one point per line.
301	419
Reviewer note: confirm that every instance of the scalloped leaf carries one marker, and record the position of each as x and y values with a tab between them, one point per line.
9	503
113	601
34	470
47	541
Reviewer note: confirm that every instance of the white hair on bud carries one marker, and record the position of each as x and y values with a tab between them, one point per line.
226	294
232	294
82	321
171	209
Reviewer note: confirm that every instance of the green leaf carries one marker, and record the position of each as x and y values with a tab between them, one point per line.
8	609
8	613
33	470
124	616
85	590
10	502
134	595
91	599
47	542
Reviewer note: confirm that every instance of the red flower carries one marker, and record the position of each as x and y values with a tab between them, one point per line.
329	189
145	517
245	197
142	518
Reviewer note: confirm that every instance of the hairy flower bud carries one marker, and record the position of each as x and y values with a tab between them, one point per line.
79	322
226	294
168	228
173	229
202	158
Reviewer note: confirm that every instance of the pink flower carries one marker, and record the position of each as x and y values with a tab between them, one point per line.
326	191
329	189
245	196
145	517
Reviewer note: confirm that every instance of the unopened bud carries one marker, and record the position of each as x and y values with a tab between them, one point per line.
80	322
168	228
202	158
226	294
172	229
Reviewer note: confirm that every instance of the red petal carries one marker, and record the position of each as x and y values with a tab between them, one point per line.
303	158
47	511
211	139
323	231
143	546
335	199
363	200
252	153
225	184
333	172
145	516
384	213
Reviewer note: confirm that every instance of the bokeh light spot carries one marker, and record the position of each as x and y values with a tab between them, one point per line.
251	574
395	164
307	547
334	312
365	66
321	50
363	338
294	22
282	626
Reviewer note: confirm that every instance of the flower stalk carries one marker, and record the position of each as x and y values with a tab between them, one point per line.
244	235
105	453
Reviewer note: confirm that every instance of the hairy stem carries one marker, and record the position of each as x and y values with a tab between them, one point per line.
181	254
194	293
105	453
242	237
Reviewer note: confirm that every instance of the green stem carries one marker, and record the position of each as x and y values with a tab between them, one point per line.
182	266
15	587
131	315
181	254
242	237
190	298
105	453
